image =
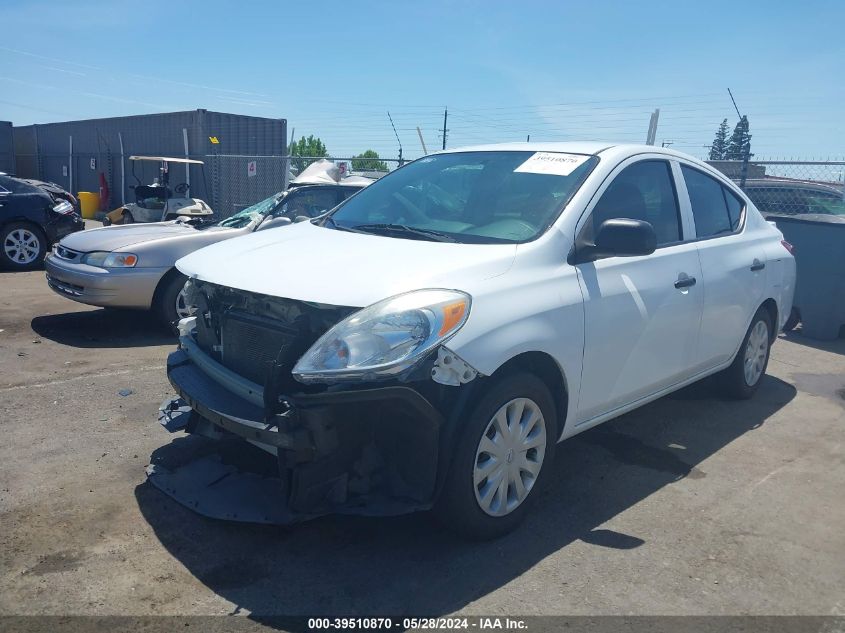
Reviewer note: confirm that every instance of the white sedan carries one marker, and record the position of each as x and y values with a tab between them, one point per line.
428	342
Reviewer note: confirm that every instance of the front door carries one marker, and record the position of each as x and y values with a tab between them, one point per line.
642	314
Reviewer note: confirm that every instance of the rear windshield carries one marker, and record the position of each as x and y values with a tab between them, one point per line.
471	197
17	186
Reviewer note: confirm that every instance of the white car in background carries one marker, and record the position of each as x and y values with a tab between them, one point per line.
428	342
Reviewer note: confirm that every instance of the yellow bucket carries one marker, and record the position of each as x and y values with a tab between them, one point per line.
90	203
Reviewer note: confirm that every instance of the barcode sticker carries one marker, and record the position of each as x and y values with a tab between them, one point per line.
553	163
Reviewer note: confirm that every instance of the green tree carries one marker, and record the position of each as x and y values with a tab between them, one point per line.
739	145
368	161
312	147
720	144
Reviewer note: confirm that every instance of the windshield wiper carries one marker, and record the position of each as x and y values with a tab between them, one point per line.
429	234
330	221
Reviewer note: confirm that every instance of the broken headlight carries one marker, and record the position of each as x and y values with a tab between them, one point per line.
386	338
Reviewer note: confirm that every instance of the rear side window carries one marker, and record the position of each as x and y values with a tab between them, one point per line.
734	208
716	210
642	191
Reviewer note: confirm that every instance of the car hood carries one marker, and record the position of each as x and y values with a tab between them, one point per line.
112	238
321	265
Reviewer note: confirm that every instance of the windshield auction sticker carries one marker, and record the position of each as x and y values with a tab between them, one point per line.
552	163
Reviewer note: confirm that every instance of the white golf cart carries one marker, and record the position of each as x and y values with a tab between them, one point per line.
156	202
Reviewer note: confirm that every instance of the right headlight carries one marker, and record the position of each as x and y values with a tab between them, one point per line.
386	338
104	259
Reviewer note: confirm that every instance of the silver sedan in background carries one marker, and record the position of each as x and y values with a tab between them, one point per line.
132	266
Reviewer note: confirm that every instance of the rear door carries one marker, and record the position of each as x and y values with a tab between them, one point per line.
641	313
732	266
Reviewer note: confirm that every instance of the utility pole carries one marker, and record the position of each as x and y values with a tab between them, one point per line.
445	117
401	161
652	127
422	142
734	102
746	155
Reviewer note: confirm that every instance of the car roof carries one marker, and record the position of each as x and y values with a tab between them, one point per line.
573	147
592	148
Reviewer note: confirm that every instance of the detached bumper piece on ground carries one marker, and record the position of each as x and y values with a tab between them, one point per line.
336	452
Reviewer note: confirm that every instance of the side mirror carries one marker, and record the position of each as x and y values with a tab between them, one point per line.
272	223
623	237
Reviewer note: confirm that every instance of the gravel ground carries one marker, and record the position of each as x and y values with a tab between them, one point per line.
690	505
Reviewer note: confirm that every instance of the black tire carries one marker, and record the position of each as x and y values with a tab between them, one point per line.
128	218
164	301
31	253
458	508
732	381
793	320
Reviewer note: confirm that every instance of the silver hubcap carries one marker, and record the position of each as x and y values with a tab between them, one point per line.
21	246
509	457
755	353
183	310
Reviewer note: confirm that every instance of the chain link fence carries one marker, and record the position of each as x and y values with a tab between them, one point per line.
789	187
237	182
227	182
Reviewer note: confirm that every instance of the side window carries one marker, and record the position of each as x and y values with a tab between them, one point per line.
308	202
708	203
735	206
642	191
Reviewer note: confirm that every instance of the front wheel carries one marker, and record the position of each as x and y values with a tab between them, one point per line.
501	458
169	303
743	377
22	246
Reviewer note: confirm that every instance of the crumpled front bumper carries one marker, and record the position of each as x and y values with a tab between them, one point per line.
374	450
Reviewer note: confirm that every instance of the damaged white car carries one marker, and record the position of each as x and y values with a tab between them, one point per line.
428	342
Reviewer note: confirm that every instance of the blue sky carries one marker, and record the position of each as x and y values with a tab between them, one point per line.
554	70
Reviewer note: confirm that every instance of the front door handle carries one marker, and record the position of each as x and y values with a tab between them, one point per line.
685	282
757	265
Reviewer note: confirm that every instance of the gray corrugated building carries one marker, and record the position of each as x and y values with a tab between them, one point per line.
75	153
7	151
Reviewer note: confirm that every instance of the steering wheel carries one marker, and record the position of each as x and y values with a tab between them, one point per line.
413	210
182	188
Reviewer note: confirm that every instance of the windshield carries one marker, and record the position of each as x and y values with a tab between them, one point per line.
251	214
469	197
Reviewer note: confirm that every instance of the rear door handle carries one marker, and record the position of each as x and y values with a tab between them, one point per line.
685	282
757	265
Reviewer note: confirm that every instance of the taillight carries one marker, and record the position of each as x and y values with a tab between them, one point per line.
63	208
789	247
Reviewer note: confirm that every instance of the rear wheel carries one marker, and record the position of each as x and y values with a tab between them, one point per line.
743	377
501	458
22	246
169	303
128	218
